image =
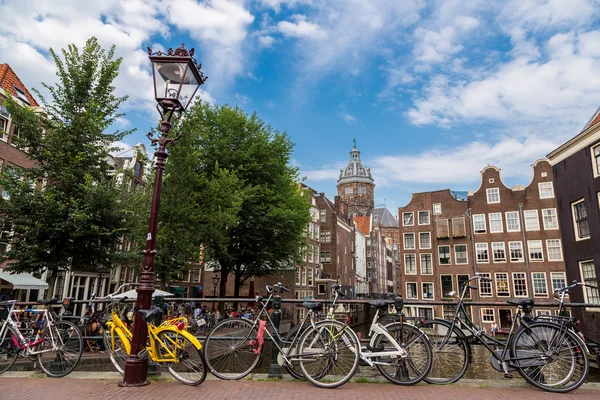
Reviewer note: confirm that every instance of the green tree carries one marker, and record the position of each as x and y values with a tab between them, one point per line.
66	212
252	216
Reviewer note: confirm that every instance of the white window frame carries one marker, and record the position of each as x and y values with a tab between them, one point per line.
432	290
497	219
437	206
477	248
564	279
443	295
413	218
595	160
517	260
507	283
416	290
515	289
503	249
546	227
449	254
420	245
406	271
466	253
529	228
486	283
533	278
421	263
490	191
404	235
481	218
551	189
428	217
587	290
559	249
541	247
485	313
577	236
508	224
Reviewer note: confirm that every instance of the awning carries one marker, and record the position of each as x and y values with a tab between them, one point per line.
177	289
23	281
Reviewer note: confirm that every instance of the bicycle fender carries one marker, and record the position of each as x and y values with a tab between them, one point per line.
183	333
124	340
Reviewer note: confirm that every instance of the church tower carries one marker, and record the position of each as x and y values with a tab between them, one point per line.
356	186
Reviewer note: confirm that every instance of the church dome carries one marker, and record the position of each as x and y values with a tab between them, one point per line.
355	171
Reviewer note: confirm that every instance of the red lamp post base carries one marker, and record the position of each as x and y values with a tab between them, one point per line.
136	372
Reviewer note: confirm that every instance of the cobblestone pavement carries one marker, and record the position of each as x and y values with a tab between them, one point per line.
12	388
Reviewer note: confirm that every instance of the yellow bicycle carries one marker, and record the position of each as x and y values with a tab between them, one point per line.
169	343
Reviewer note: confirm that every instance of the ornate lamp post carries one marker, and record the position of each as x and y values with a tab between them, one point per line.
177	77
215	280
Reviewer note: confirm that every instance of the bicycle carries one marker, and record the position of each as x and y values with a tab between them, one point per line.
563	318
234	347
545	354
400	351
58	345
169	343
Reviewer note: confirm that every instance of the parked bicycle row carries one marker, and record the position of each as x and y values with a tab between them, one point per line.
546	351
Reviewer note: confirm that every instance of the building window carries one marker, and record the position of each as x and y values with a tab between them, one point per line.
546	190
444	253
516	251
582	229
479	223
424	240
458	227
325	236
554	250
362	189
512	221
588	276
196	275
559	280
550	219
535	250
408	219
493	195
499	251
12	171
519	284
596	159
411	290
326	257
426	267
487	315
323	216
410	264
311	276
495	222
447	285
5	234
485	287
348	190
21	95
481	249
409	241
442	228
532	222
137	169
3	126
427	290
540	287
502	288
462	281
424	218
460	254
321	288
311	250
437	209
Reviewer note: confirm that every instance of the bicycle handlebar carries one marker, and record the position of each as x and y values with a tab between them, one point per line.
574	284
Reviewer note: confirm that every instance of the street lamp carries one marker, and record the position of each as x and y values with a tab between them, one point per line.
177	78
215	280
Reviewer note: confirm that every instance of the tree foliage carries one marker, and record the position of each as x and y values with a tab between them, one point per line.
66	212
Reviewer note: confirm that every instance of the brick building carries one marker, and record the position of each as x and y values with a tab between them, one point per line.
511	235
576	172
356	186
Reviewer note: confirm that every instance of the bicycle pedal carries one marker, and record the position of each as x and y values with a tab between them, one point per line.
508	376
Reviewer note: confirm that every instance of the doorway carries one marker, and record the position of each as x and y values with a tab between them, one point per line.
505	318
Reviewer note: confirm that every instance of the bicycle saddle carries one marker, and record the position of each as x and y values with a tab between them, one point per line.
312	305
379	303
51	301
148	315
521	302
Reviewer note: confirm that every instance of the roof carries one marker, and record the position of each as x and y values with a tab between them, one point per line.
9	80
594	120
23	281
363	224
355	171
384	217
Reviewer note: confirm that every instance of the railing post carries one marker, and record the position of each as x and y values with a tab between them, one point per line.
401	370
275	369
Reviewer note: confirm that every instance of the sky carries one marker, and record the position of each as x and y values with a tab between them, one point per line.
432	90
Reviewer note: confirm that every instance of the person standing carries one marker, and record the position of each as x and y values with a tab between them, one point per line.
494	328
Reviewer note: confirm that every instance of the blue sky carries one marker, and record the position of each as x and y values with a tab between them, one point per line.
433	91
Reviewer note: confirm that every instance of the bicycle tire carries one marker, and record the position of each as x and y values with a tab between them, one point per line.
329	354
450	362
416	365
116	351
228	350
190	367
554	345
294	368
8	351
61	349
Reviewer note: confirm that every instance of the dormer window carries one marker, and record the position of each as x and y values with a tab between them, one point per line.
21	95
137	169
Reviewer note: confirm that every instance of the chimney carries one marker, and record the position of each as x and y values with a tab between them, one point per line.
337	205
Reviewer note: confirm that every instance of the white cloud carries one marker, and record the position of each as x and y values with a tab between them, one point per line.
320	175
270	105
121	149
242	99
266	41
301	28
347	117
276	5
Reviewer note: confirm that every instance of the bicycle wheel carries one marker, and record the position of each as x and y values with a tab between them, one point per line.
8	350
293	369
329	354
550	357
451	354
190	368
230	348
116	350
407	370
61	348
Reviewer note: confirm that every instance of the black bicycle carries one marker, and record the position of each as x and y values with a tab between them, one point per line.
546	354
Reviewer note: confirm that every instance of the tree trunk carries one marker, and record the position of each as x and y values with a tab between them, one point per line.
51	283
236	288
223	289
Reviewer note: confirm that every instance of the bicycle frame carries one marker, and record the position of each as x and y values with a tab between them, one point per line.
22	343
